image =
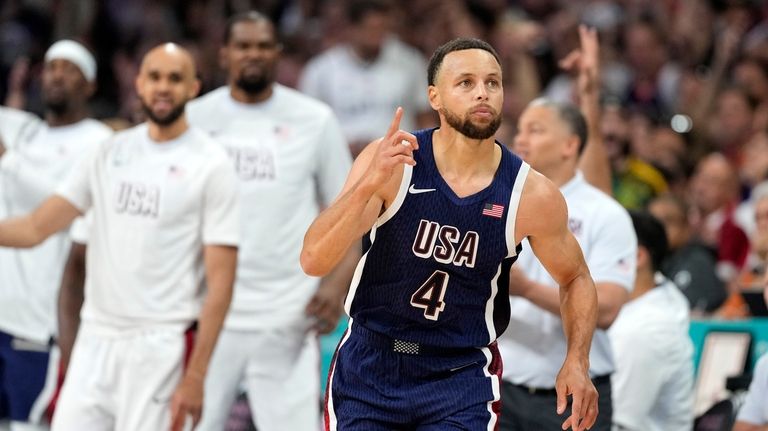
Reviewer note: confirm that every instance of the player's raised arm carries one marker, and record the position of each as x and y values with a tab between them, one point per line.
371	185
53	215
543	219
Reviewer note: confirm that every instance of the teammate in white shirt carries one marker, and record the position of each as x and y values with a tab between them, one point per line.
550	138
35	156
290	155
653	381
366	78
165	218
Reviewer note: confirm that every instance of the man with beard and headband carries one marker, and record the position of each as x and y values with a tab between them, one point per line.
443	212
291	158
35	156
165	226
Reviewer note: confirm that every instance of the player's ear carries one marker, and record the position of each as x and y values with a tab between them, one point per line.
195	88
138	83
434	97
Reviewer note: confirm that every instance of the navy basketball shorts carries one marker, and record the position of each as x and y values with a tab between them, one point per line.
377	383
28	378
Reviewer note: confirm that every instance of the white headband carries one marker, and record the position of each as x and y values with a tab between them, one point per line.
75	53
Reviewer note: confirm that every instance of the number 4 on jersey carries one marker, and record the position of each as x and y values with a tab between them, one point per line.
430	295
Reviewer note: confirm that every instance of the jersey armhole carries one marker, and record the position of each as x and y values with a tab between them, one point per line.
514	203
401	193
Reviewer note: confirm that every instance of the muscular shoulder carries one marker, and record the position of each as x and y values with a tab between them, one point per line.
542	207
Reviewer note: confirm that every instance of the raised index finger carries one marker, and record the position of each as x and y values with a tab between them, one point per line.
395	125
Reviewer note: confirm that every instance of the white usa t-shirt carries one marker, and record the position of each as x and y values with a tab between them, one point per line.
533	346
38	158
291	159
155	205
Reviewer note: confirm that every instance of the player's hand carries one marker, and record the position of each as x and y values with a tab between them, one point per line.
326	307
187	400
573	380
2	148
585	62
394	149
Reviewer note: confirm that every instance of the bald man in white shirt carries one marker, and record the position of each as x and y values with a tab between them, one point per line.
166	219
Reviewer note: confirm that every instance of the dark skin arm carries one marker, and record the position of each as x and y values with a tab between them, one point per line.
71	296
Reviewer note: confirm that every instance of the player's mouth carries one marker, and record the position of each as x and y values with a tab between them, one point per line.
483	111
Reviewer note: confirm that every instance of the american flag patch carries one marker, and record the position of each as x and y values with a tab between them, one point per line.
493	210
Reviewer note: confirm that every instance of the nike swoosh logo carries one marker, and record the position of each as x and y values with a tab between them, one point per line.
414	191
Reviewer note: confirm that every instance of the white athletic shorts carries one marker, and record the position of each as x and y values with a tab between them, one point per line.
280	371
121	380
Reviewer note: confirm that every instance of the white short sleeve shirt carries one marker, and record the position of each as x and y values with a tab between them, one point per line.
652	386
365	95
291	160
755	408
37	159
155	205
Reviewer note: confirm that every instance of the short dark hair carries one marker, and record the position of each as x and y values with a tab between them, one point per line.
357	10
571	116
459	44
651	236
247	16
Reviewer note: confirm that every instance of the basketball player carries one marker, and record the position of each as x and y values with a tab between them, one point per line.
34	157
165	210
290	156
445	211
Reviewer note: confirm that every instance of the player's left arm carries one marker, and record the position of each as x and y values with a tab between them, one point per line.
220	266
220	236
543	218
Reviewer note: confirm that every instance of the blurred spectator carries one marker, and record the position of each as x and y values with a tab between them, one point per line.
365	79
751	74
730	125
754	170
755	267
653	381
713	194
635	182
690	264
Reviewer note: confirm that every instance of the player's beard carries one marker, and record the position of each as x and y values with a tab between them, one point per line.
166	119
469	129
253	84
57	106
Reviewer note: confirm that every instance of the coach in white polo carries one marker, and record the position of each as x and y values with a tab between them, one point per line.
550	138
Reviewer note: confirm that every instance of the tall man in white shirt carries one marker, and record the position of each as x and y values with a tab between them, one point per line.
164	200
653	383
291	158
550	138
34	157
368	76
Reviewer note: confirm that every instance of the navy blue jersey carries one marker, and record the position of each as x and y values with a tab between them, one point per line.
435	267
